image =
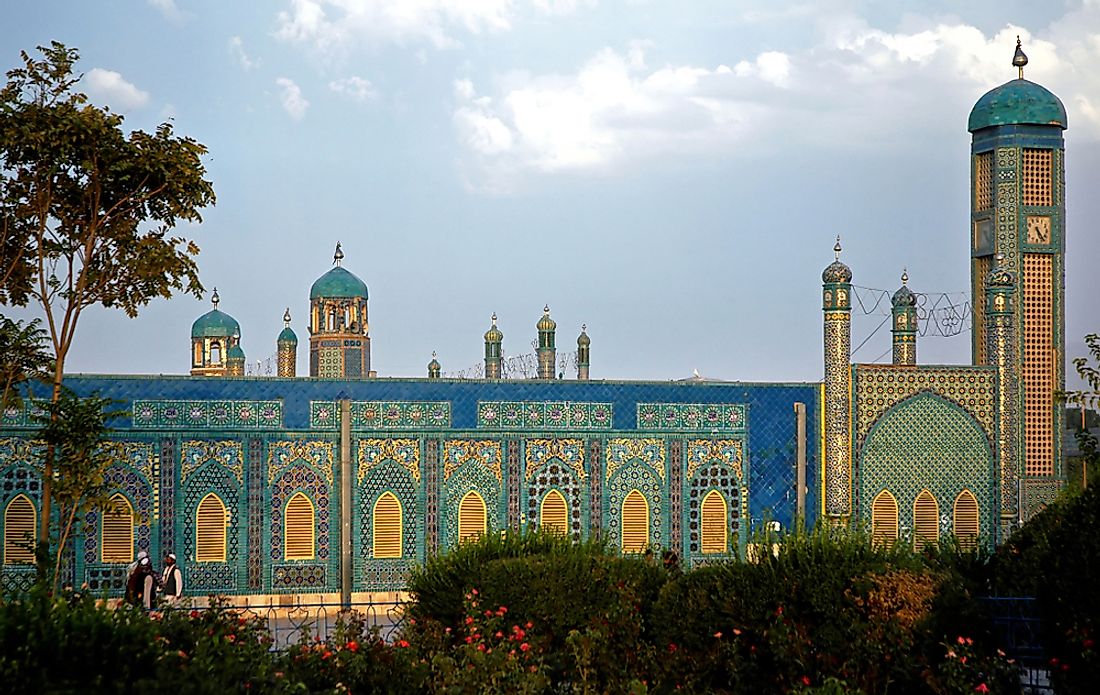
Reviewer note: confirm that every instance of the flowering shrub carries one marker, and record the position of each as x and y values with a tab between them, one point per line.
965	670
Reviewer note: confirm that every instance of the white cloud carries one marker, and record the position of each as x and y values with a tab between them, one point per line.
291	97
330	26
357	88
168	8
236	47
108	87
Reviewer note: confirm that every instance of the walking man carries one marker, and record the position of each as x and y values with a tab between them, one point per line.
171	581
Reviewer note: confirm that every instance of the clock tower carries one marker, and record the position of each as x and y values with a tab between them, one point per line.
1018	215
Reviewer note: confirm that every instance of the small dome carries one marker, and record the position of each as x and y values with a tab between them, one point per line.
837	271
339	283
434	365
215	324
583	340
1017	102
904	296
546	324
493	335
235	353
287	335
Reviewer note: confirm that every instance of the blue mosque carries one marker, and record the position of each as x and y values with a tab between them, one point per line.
343	479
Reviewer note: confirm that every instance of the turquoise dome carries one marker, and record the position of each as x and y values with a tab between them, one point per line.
215	324
1016	103
287	336
235	353
338	282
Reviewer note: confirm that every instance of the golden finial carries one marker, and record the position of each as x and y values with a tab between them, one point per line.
286	318
1019	59
836	248
494	318
583	328
904	276
214	298
546	309
338	256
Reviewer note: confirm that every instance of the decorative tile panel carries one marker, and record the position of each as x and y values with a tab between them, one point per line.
694	417
404	452
235	415
458	452
307	577
195	453
701	452
382	415
549	416
569	451
880	387
281	455
650	451
25	416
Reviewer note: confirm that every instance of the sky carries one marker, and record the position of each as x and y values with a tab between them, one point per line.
672	175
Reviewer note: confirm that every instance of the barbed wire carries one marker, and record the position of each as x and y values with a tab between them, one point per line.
525	366
939	314
264	367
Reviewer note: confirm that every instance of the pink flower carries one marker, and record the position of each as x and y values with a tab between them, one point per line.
718	635
961	640
524	647
402	643
982	688
469	620
474	592
481	647
230	638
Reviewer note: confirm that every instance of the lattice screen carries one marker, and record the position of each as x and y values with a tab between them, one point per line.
983	181
715	534
299	538
966	524
19	531
118	532
635	523
554	514
981	272
1038	365
884	519
387	526
210	530
472	519
926	520
1037	189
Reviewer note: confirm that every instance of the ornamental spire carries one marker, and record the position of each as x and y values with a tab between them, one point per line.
286	318
214	299
338	256
836	248
1019	59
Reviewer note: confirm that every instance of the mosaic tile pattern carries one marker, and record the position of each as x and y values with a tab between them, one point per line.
404	452
635	474
388	474
281	455
691	417
550	416
539	451
18	417
235	415
474	474
213	476
676	495
1039	494
650	451
256	478
197	453
382	415
168	472
459	452
880	387
595	489
702	452
302	577
555	474
134	476
512	466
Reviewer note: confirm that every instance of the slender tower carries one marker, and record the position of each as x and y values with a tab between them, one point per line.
837	304
547	353
434	370
493	354
905	323
339	333
1018	211
286	348
1000	336
583	343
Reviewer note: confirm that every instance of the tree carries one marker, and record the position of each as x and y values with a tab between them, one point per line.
23	357
87	209
1086	441
76	429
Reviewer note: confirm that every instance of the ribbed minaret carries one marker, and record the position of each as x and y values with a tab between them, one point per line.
547	353
434	370
837	304
286	348
905	323
1018	210
583	343
1000	347
493	353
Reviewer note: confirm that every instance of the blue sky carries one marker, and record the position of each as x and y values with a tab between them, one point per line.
673	175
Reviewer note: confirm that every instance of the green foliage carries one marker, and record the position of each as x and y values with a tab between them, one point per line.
23	357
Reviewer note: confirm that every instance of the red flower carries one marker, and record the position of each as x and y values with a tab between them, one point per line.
1087	644
961	640
805	680
230	638
353	646
326	655
982	688
528	625
481	647
473	591
524	647
194	614
671	648
469	620
498	634
718	634
469	639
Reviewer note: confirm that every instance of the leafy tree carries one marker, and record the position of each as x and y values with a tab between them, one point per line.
1086	441
23	357
87	209
76	429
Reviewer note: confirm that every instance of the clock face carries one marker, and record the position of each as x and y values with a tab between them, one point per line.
1038	230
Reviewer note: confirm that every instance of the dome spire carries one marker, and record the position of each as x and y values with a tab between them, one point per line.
1019	58
286	318
214	299
904	276
338	256
836	248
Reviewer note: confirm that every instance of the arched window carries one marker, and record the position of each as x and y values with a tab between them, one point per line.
198	353
215	352
884	519
298	532
635	522
714	524
472	520
926	520
20	526
386	525
210	530
554	515
117	531
966	518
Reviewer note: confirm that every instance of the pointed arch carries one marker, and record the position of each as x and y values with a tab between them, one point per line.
926	520
713	524
472	517
299	531
966	519
884	519
20	531
215	352
387	524
635	522
117	531
554	513
210	529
